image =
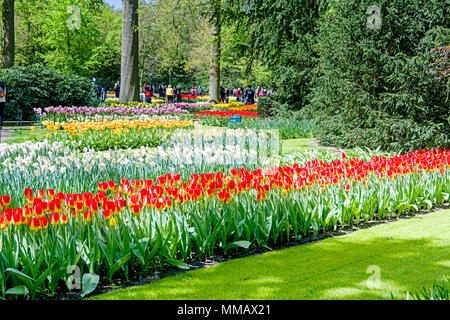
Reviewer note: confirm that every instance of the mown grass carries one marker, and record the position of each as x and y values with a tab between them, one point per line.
23	134
408	254
292	146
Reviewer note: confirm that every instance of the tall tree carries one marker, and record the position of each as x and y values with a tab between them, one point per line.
214	65
8	44
129	75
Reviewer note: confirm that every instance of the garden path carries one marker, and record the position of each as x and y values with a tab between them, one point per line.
5	134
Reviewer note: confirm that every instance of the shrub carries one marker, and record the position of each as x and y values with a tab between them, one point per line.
265	107
386	133
375	85
37	86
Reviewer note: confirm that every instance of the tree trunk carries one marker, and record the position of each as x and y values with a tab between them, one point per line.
214	63
129	75
8	43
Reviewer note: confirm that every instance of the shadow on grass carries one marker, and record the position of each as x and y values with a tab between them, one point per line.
335	269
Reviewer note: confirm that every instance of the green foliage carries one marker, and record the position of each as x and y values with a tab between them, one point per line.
373	87
387	133
266	107
439	291
36	86
175	47
281	35
81	37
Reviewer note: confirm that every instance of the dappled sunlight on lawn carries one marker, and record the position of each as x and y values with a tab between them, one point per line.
336	268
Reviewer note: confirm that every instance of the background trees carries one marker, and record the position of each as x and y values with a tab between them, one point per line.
80	37
366	86
374	87
129	73
8	39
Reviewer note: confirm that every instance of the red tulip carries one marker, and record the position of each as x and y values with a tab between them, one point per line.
44	222
50	193
107	214
17	219
87	216
261	197
34	224
6	200
28	193
54	218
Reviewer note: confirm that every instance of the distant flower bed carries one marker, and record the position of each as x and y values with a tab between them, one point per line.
253	107
186	105
64	113
228	114
198	97
105	135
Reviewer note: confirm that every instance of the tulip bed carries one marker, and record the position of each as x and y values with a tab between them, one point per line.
198	97
105	135
56	165
62	114
135	226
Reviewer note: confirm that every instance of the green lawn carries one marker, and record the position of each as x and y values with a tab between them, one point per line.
23	134
409	254
292	146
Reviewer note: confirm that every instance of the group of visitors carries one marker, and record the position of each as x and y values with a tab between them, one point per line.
196	92
168	93
249	96
173	94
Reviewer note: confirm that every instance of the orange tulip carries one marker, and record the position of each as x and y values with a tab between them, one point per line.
261	197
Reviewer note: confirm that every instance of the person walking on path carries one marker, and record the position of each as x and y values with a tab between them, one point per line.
117	90
222	95
104	92
249	96
148	94
227	95
169	94
179	96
